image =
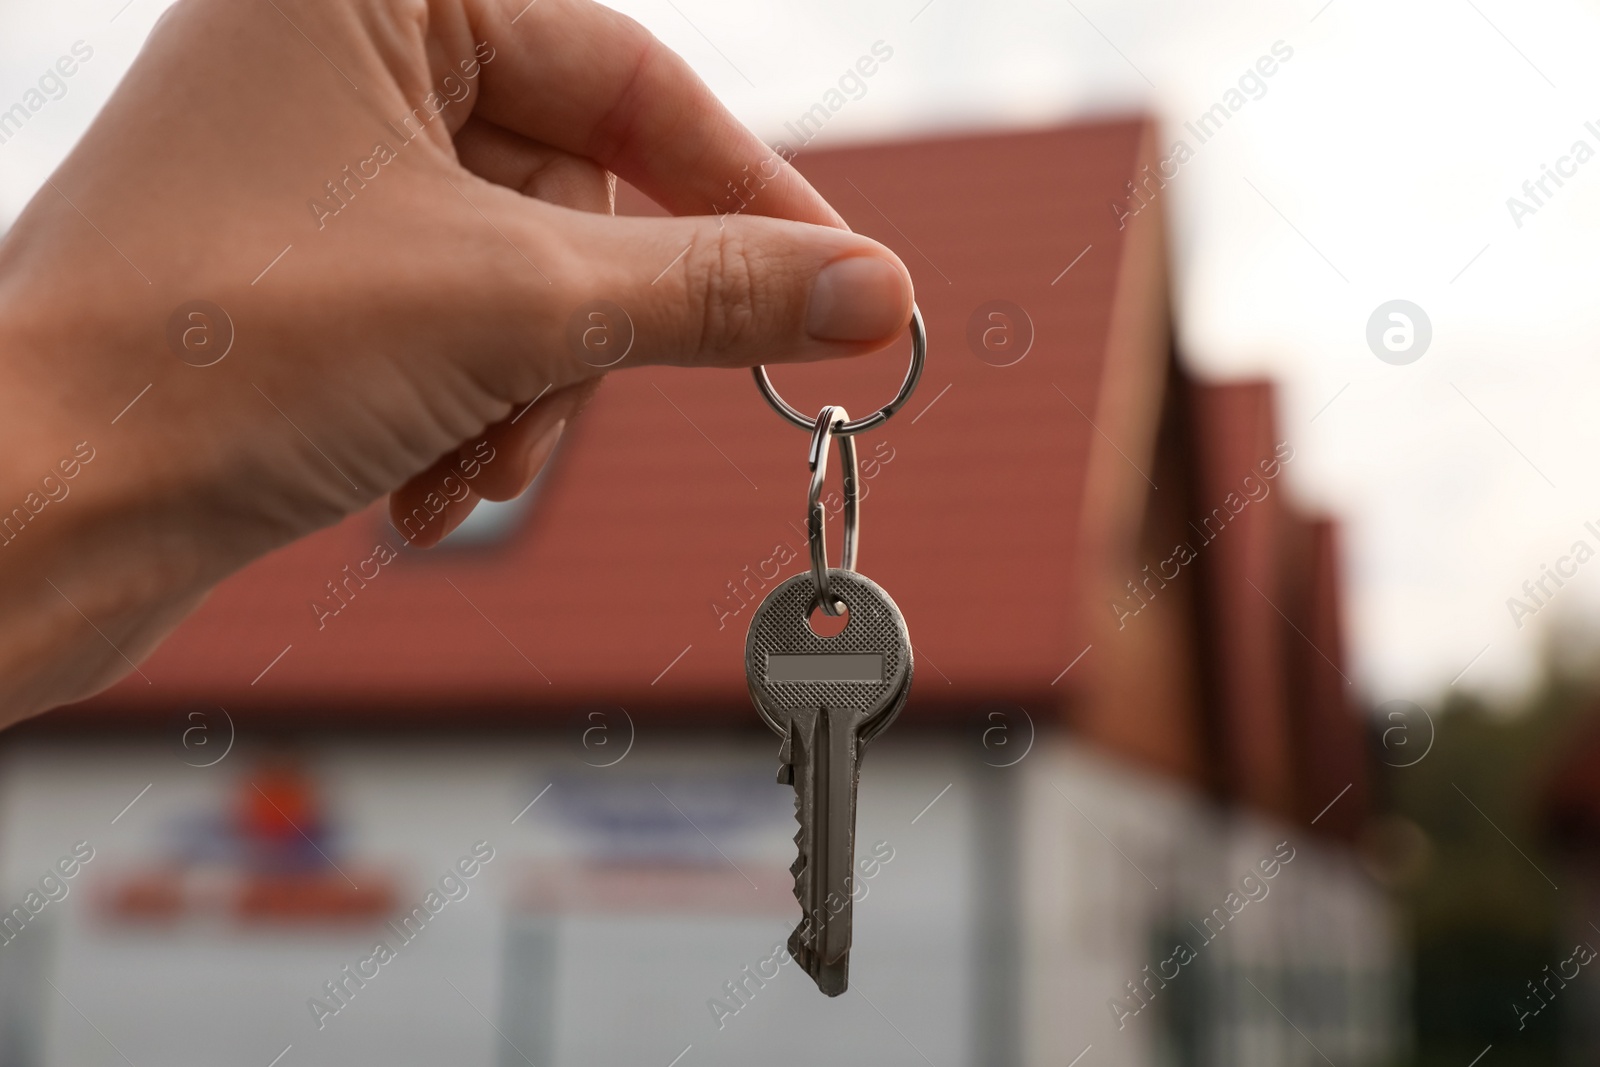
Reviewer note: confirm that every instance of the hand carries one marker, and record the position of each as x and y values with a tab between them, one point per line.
399	206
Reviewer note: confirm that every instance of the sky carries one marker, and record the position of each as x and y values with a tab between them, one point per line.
1374	165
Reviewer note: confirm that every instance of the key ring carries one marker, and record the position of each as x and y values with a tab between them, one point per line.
828	425
919	356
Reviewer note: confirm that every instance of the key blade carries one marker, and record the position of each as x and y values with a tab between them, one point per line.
801	774
826	754
836	818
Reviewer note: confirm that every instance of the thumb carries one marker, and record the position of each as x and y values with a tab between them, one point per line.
731	291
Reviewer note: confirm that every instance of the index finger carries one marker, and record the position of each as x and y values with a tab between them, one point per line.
584	78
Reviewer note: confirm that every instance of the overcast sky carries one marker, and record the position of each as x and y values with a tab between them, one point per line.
1376	166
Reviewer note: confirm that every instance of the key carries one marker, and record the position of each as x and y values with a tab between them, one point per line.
826	697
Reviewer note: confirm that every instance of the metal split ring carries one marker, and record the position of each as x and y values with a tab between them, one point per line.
919	356
828	425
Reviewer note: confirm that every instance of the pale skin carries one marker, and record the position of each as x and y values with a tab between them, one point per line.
393	338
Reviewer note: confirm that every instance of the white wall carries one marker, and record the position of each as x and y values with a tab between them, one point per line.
1122	866
633	972
620	904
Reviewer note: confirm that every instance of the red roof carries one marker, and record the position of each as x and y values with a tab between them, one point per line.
1007	509
676	486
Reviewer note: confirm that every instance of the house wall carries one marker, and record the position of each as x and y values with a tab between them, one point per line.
617	912
1238	520
1329	735
1138	691
1122	868
627	901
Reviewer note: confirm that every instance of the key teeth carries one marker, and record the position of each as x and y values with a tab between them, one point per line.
786	763
801	870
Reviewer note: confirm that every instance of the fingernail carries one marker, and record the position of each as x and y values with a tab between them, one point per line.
539	454
858	298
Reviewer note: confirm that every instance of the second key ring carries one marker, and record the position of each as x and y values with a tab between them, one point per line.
919	356
829	424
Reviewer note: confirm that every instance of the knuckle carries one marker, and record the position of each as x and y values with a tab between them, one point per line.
722	286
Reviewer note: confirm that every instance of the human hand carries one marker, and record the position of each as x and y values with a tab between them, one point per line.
400	206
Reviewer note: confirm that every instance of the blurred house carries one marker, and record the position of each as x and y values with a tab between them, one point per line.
1119	808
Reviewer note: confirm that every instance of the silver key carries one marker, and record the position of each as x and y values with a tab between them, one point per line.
826	697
